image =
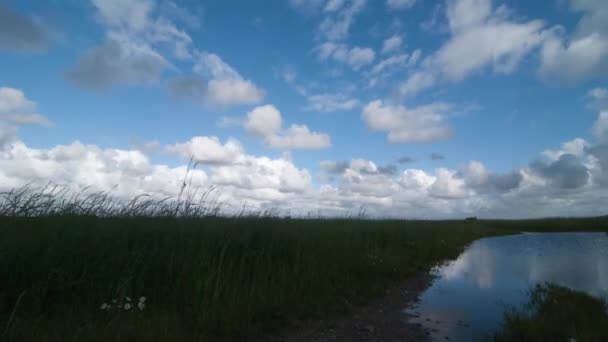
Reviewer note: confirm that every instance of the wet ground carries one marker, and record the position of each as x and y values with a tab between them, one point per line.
469	295
466	298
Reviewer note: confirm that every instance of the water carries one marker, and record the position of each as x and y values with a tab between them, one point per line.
470	294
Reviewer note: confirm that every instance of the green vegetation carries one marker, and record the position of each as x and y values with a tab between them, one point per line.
205	277
556	313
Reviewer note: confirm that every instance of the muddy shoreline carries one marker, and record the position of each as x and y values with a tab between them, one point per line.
382	319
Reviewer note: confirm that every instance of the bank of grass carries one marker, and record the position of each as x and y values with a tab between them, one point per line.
205	277
556	314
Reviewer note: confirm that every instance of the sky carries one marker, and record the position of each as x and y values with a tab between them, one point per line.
400	108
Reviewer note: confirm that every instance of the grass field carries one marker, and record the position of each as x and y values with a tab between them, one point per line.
204	277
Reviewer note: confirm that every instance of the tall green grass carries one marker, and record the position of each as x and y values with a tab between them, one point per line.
206	276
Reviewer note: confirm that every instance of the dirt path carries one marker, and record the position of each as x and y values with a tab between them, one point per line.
381	320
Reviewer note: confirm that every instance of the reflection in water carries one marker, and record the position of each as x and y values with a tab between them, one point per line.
470	294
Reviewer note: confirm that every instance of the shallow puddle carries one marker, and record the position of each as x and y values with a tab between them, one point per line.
470	294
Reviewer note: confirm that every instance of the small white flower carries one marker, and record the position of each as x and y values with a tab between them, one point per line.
127	306
128	299
141	305
142	299
114	301
104	306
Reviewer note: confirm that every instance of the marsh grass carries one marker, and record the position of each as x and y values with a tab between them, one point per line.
207	275
556	313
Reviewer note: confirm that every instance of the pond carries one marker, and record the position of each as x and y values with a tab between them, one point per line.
470	294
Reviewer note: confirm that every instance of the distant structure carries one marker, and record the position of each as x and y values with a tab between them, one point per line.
472	218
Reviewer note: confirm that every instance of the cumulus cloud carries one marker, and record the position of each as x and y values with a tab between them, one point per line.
331	102
16	110
21	33
266	122
404	125
478	177
400	4
481	37
582	54
125	173
560	184
244	179
208	150
567	172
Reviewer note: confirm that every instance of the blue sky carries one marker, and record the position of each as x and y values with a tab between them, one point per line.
408	107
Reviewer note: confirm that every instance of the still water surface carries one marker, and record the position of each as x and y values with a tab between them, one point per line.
469	295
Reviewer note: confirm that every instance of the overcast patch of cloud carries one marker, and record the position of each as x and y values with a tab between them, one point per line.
21	33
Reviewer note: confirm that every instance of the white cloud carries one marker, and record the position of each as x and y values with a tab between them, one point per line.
244	179
334	5
417	82
480	37
135	53
16	110
356	57
329	102
233	92
448	185
336	26
266	123
582	54
404	125
127	14
226	87
256	173
208	150
391	44
212	66
264	120
298	137
390	65
400	4
124	173
568	185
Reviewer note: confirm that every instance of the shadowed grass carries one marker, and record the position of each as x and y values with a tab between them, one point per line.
206	277
556	313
